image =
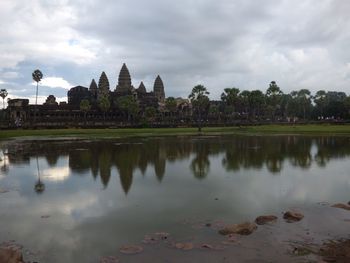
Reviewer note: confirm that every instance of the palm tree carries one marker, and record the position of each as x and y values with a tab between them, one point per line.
3	95
320	101
304	97
85	106
200	101
104	104
37	76
230	97
150	113
171	106
273	98
128	104
256	100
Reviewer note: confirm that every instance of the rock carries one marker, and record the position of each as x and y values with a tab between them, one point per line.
242	229
150	239
262	220
109	259
342	206
207	246
131	249
155	238
184	246
291	216
9	255
162	235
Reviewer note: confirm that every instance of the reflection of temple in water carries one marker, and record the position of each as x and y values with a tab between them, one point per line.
99	158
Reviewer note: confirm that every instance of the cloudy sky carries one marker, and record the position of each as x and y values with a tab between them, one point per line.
220	44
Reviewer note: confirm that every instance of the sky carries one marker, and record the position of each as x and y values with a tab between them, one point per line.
219	44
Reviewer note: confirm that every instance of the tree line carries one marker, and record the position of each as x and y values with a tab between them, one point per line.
273	105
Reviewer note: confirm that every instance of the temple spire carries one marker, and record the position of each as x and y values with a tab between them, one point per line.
142	88
103	85
124	80
158	89
93	89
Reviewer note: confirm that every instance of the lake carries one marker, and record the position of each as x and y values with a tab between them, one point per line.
79	200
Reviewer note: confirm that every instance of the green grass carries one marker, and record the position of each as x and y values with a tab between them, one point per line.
117	133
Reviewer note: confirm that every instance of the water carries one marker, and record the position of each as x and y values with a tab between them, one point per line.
74	201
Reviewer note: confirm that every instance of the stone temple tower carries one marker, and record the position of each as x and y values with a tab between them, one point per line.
93	89
103	86
158	89
124	81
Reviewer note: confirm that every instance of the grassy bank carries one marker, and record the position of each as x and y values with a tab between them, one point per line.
107	133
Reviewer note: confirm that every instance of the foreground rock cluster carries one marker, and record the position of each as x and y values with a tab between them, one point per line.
247	228
10	255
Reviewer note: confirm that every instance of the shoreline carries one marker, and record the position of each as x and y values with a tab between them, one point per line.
307	129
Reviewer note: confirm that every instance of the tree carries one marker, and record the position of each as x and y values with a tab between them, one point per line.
104	104
129	105
214	112
273	98
85	106
347	105
304	98
256	102
320	101
230	99
200	102
171	105
150	113
3	95
244	100
37	76
335	107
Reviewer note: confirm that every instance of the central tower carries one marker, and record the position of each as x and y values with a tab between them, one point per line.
124	80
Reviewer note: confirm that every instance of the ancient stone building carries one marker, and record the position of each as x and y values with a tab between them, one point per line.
93	91
51	101
123	88
141	89
18	110
158	89
77	94
103	86
51	114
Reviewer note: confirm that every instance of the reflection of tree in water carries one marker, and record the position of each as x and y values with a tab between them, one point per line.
254	152
240	152
39	186
4	166
200	164
331	147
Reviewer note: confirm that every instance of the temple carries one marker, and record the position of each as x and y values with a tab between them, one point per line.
99	105
94	93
